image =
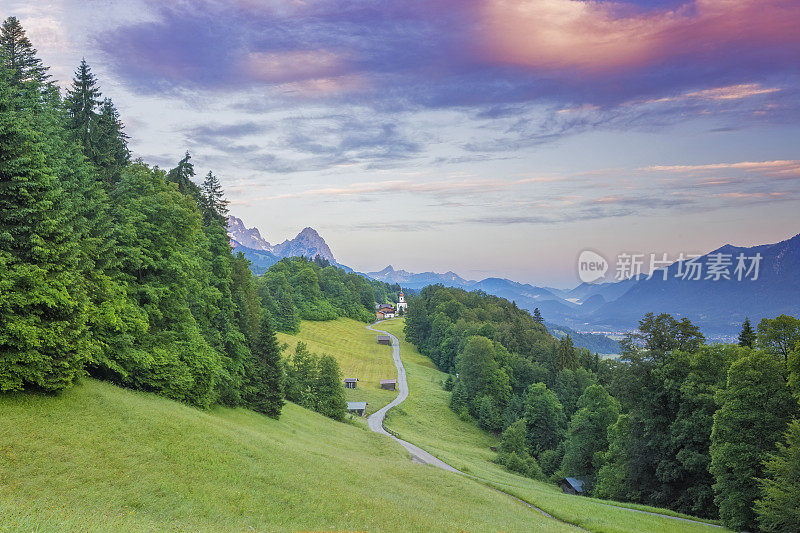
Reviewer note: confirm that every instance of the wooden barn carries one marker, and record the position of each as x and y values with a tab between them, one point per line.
357	408
350	383
385	339
389	384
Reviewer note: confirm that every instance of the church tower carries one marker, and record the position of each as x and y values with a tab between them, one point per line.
401	303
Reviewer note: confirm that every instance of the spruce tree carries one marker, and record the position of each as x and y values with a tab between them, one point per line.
565	355
214	203
747	337
18	55
182	176
43	334
329	390
81	103
265	379
537	316
111	153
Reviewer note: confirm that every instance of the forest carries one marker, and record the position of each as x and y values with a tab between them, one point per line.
111	267
297	289
703	429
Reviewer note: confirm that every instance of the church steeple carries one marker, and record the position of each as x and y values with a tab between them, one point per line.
401	302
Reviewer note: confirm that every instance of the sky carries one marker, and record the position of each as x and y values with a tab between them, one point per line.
487	137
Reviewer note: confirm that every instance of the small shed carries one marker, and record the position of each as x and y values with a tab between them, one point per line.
389	384
350	383
384	339
357	408
571	485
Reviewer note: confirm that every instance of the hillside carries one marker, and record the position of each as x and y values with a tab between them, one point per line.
426	420
358	354
101	458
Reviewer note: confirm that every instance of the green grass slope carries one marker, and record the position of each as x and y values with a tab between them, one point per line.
426	420
101	458
358	353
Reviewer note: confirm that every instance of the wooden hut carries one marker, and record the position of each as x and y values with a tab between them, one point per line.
357	408
389	384
385	339
571	485
350	383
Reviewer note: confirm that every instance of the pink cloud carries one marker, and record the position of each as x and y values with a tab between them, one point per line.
600	35
292	65
778	167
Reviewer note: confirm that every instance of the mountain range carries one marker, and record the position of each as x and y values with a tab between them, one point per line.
718	306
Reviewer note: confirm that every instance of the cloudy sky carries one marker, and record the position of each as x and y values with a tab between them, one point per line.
488	137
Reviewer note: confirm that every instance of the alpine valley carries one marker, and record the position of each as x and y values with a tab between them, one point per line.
594	314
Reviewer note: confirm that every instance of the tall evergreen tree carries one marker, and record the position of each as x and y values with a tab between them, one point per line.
566	358
747	337
111	153
264	379
182	176
214	203
43	336
18	55
81	102
537	316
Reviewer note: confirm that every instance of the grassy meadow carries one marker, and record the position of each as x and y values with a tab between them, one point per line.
426	420
358	353
101	458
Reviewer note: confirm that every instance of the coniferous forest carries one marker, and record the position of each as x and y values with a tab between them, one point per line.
703	429
119	270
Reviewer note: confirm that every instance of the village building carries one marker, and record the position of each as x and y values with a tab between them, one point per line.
389	384
350	383
357	408
384	339
386	311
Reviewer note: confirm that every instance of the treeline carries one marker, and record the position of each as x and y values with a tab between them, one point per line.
111	267
709	430
295	289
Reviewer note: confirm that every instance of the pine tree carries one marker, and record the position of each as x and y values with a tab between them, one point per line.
43	335
748	335
81	103
111	153
537	316
329	390
182	176
565	355
18	55
265	379
214	203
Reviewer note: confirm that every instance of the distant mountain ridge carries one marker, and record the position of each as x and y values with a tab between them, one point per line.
262	255
718	307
